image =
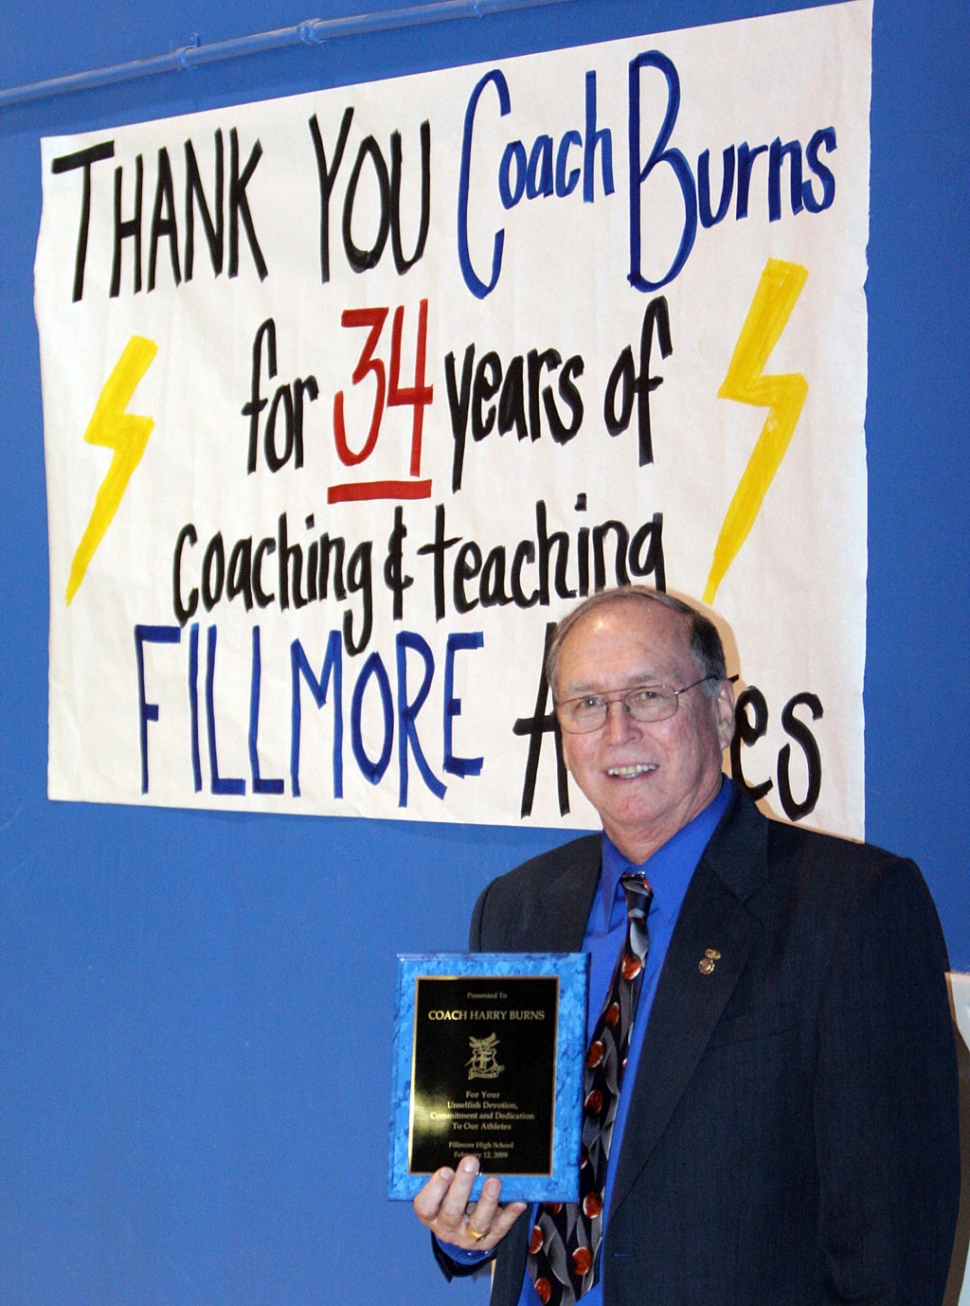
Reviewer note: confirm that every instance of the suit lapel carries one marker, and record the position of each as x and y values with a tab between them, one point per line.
688	1002
566	898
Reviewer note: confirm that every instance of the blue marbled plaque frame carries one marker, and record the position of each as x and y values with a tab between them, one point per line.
572	969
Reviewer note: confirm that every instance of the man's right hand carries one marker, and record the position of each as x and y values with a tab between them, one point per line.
443	1206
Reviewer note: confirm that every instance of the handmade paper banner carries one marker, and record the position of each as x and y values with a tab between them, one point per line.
349	396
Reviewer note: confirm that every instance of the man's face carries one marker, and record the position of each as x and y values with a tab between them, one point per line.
646	779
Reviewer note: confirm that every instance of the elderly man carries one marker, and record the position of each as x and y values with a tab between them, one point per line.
777	1120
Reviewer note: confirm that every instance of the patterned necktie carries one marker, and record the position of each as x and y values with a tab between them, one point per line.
564	1243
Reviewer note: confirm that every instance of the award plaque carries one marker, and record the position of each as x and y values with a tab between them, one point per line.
488	1060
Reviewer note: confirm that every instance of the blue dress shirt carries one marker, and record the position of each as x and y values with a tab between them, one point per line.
669	871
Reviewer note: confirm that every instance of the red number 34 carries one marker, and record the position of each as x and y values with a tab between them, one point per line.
387	389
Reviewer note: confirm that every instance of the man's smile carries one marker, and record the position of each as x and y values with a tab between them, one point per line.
631	771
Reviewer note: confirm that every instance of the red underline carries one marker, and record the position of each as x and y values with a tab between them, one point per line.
379	490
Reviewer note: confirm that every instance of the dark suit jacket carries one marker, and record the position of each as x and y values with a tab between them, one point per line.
792	1136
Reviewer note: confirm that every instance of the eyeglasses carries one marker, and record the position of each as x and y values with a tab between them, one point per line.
589	712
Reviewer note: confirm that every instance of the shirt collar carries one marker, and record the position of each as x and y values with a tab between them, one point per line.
669	868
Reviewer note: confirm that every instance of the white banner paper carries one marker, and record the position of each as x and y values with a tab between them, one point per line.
349	395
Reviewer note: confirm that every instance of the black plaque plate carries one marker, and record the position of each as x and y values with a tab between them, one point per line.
484	1073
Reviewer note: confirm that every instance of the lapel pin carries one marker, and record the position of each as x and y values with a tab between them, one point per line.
706	963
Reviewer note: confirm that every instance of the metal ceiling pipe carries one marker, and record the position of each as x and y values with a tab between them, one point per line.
315	31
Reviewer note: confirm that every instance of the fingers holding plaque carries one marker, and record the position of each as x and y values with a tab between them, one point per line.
488	1060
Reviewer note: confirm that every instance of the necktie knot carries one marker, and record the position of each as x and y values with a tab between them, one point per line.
638	893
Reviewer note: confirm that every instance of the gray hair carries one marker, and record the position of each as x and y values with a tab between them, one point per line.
705	642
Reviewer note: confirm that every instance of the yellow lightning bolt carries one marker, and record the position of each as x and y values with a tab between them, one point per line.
112	428
778	290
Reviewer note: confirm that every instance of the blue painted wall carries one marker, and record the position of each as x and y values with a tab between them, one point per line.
195	1015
